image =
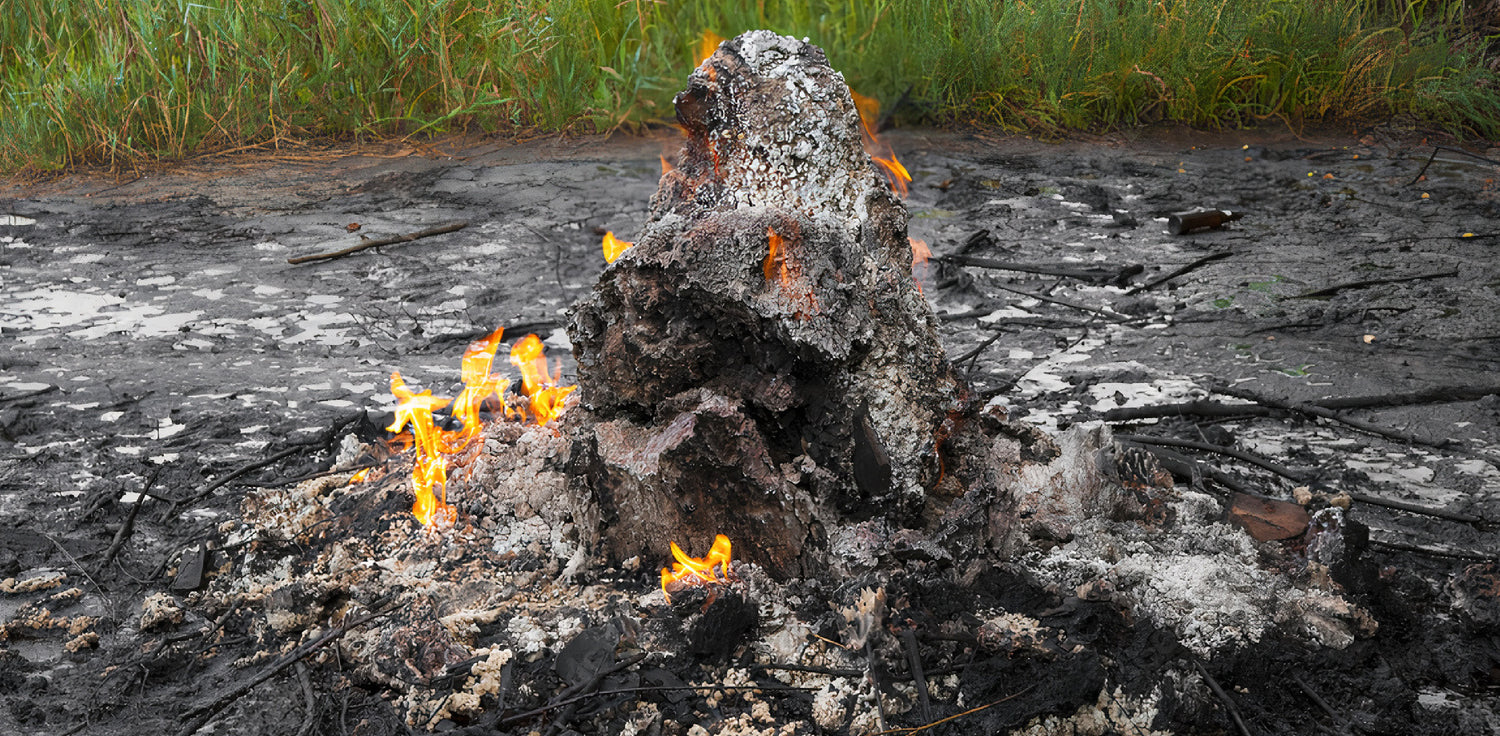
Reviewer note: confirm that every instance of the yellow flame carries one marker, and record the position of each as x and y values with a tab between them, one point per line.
696	571
706	47
614	246
880	152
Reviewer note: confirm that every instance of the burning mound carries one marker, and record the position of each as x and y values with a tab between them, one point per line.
761	362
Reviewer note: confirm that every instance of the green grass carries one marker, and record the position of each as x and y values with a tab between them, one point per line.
114	82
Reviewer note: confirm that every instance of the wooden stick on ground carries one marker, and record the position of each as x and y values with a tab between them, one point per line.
1189	268
1331	290
1098	275
200	715
1296	477
379	242
1318	411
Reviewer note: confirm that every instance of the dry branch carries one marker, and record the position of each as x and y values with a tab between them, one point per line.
1331	290
199	715
1094	275
379	242
1189	268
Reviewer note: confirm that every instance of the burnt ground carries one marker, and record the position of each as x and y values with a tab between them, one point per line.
153	339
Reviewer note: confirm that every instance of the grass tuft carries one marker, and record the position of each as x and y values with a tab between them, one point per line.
113	82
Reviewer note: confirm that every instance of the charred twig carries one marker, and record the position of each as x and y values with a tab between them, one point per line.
242	470
1092	275
311	718
873	674
199	715
1318	411
1296	477
379	242
1184	270
914	660
308	476
1331	290
1457	554
1319	701
129	526
1205	409
1248	457
830	671
1117	318
1440	394
954	717
1423	171
972	356
1213	685
27	394
533	713
1183	466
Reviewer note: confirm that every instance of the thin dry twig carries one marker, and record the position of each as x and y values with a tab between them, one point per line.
366	245
200	715
955	716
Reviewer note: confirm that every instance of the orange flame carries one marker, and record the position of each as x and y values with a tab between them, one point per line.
545	395
696	571
435	446
880	152
479	385
781	267
430	468
920	254
706	47
614	246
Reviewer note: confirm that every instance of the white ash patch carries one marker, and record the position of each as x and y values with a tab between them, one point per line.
1201	579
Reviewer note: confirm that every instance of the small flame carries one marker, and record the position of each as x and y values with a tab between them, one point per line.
437	448
706	47
786	271
430	468
542	389
614	246
920	254
880	152
696	571
479	385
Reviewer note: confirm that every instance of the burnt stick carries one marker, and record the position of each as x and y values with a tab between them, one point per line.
914	659
1457	554
1065	303
199	715
517	718
1248	457
1319	701
1184	270
1296	477
1223	696
954	717
1436	395
1095	275
1186	467
1375	429
441	229
244	469
129	526
1336	288
1200	408
1423	171
311	718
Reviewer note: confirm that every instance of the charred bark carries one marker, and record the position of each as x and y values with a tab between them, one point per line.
761	359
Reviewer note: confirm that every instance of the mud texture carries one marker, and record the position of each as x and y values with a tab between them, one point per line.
153	340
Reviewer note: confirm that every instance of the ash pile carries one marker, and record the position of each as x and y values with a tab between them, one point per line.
761	365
